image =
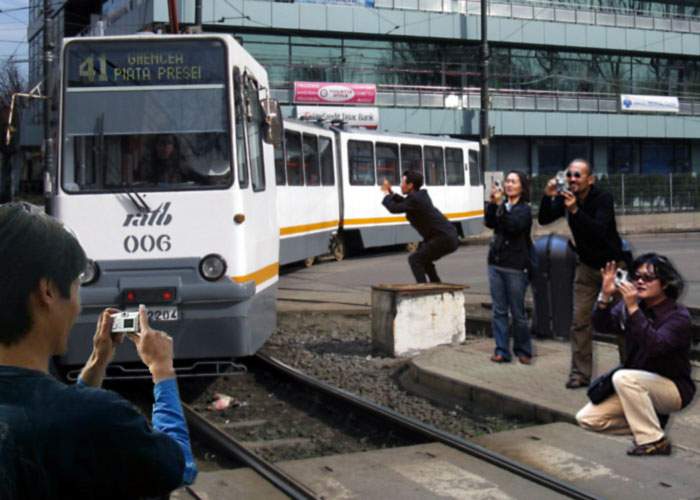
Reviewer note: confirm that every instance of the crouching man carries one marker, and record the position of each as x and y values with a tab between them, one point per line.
656	378
439	235
59	441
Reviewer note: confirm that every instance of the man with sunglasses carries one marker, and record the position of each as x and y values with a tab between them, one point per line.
656	377
590	213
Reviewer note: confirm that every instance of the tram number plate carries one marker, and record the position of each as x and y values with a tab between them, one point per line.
163	314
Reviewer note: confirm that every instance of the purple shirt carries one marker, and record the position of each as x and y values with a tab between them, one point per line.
657	339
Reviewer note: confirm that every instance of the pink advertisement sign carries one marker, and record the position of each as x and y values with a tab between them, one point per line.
334	93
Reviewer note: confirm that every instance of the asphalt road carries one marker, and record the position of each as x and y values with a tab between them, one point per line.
354	276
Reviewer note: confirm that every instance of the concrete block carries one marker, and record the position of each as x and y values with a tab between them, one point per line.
410	318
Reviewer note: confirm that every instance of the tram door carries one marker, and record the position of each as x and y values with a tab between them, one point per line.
255	177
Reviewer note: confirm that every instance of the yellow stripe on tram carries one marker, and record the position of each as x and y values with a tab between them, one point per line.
303	228
387	220
259	276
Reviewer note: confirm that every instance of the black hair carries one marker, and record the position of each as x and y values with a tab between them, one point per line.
588	164
671	280
524	182
33	246
414	177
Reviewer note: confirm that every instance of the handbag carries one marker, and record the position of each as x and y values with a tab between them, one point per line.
601	387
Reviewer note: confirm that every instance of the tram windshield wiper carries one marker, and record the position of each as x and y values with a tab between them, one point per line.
136	198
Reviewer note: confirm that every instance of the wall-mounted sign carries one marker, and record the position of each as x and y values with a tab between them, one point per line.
335	93
355	117
649	103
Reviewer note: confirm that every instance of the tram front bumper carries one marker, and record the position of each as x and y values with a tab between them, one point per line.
211	320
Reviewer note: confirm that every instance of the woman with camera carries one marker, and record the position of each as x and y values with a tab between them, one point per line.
656	377
508	214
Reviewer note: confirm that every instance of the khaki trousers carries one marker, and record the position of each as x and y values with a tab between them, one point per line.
587	284
639	395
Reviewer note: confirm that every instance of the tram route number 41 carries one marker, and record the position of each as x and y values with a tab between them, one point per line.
147	243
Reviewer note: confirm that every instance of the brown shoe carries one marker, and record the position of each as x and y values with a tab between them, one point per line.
498	358
660	447
576	382
525	360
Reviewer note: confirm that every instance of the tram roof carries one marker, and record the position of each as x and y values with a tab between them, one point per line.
379	133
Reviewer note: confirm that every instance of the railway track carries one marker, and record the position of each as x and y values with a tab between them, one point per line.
216	437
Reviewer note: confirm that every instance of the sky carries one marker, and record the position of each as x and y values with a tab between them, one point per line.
13	32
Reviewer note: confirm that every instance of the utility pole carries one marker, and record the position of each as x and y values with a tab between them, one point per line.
484	132
198	12
172	14
48	46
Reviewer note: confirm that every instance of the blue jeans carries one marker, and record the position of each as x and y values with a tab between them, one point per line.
508	292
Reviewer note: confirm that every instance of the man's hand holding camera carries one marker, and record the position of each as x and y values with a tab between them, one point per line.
386	186
104	344
155	349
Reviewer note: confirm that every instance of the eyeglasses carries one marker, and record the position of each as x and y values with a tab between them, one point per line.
646	278
576	175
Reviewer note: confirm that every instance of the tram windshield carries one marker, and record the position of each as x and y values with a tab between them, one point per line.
149	115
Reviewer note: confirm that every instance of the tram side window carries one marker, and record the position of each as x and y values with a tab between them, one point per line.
474	170
411	158
280	173
255	145
455	166
361	157
312	171
241	147
295	173
387	163
325	147
434	166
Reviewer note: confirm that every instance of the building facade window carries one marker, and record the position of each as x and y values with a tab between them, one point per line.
456	65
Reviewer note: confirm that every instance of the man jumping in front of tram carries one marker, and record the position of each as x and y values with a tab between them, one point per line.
439	235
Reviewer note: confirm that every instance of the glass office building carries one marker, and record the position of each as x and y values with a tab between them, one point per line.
558	69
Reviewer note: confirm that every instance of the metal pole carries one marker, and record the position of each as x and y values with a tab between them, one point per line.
197	12
670	192
172	15
48	45
484	113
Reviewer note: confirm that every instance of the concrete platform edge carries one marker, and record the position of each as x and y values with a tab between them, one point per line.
446	391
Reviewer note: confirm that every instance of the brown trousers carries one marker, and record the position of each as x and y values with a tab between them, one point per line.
587	284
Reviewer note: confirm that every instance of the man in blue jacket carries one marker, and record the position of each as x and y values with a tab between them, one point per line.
439	235
75	442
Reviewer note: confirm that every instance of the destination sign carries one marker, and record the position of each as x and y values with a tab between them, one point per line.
133	63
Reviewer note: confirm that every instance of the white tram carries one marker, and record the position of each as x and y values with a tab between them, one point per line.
347	207
166	176
307	191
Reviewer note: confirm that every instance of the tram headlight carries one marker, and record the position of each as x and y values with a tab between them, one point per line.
90	273
212	267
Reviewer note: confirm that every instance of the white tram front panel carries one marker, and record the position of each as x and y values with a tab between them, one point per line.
307	191
161	164
369	157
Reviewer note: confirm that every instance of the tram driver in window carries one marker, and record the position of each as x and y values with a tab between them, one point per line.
167	162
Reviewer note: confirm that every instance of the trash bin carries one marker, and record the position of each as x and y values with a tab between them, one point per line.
553	286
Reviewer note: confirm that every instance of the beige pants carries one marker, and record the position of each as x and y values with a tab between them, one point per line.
639	395
587	284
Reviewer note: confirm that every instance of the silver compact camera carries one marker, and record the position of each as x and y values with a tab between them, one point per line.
125	322
562	185
620	277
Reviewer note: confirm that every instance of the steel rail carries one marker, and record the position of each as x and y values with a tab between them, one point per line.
429	431
216	438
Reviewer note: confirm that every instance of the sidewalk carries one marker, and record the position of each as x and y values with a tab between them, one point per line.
465	375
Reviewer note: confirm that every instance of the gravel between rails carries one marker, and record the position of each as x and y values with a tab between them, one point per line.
337	349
